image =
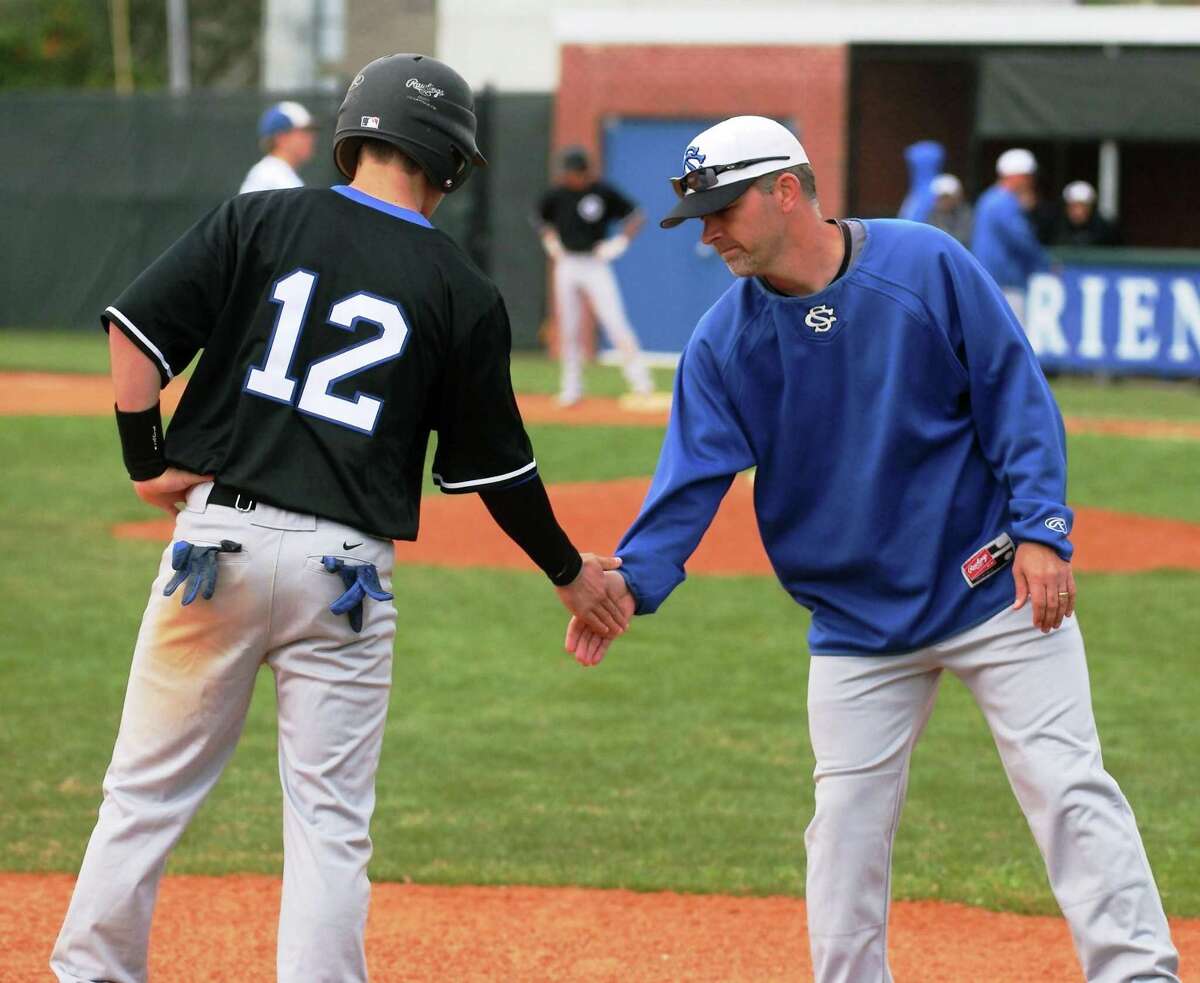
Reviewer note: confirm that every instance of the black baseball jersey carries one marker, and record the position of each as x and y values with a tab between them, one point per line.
581	217
337	332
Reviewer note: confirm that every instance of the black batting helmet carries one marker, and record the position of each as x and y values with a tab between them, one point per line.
418	104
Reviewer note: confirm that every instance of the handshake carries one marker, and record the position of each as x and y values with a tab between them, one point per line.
601	605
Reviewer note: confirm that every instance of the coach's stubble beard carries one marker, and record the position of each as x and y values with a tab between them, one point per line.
751	261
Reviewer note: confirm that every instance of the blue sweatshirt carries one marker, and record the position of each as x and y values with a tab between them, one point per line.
1003	239
899	421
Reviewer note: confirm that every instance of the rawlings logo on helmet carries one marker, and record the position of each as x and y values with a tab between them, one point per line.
692	159
427	89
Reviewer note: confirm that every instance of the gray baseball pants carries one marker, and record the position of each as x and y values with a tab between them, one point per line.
865	716
189	689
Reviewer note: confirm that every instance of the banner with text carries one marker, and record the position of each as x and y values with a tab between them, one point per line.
1118	320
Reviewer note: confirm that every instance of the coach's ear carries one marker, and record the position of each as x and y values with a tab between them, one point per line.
788	192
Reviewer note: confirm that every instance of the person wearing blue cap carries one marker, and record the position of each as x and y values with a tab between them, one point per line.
287	135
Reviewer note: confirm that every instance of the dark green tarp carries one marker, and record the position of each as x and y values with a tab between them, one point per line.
1090	96
93	186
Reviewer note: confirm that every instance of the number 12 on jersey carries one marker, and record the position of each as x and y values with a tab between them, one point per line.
271	380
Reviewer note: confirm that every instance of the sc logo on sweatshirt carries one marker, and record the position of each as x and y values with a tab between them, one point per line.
822	323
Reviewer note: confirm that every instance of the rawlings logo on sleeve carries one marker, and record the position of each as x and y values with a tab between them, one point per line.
1056	523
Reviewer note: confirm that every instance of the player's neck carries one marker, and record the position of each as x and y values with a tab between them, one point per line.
809	259
391	183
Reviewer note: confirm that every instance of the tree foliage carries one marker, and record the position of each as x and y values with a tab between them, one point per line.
67	44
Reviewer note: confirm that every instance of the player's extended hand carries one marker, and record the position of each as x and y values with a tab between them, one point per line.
168	488
1042	577
586	597
588	647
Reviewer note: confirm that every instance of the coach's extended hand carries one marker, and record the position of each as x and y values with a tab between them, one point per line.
588	598
589	647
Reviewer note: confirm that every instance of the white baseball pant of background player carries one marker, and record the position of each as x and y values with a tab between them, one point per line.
576	273
189	689
865	716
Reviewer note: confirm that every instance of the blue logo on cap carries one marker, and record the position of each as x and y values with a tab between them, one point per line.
692	159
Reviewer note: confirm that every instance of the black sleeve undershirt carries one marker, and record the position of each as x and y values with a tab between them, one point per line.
523	511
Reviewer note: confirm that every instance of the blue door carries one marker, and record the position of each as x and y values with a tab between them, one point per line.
667	277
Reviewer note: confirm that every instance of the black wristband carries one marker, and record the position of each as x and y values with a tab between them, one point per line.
142	442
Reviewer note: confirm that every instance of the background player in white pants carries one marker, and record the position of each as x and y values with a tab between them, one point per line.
288	136
338	326
905	439
576	215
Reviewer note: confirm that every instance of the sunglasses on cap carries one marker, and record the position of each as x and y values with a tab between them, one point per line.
704	178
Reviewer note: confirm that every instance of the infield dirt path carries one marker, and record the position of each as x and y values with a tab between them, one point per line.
223	929
63	394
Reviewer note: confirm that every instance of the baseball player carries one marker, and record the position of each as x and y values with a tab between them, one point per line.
338	328
576	217
1003	239
910	489
287	135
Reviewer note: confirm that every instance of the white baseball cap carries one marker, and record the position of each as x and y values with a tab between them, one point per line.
945	184
1016	161
282	117
1079	191
723	161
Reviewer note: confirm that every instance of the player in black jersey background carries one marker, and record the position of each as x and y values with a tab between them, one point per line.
337	328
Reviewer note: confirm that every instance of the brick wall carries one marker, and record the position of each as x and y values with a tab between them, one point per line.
806	85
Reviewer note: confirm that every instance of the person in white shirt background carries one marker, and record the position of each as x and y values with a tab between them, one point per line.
287	135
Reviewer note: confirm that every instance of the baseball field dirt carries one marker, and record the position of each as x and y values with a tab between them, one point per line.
222	930
56	394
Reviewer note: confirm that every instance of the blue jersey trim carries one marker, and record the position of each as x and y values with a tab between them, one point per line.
396	211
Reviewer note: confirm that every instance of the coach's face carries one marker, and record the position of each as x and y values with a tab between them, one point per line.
747	233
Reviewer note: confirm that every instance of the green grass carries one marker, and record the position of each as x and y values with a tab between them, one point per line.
1155	477
532	372
681	763
1140	399
48	350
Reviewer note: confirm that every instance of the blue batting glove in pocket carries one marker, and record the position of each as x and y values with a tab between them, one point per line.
360	581
198	566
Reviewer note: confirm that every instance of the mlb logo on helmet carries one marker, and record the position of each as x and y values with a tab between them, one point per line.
370	122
